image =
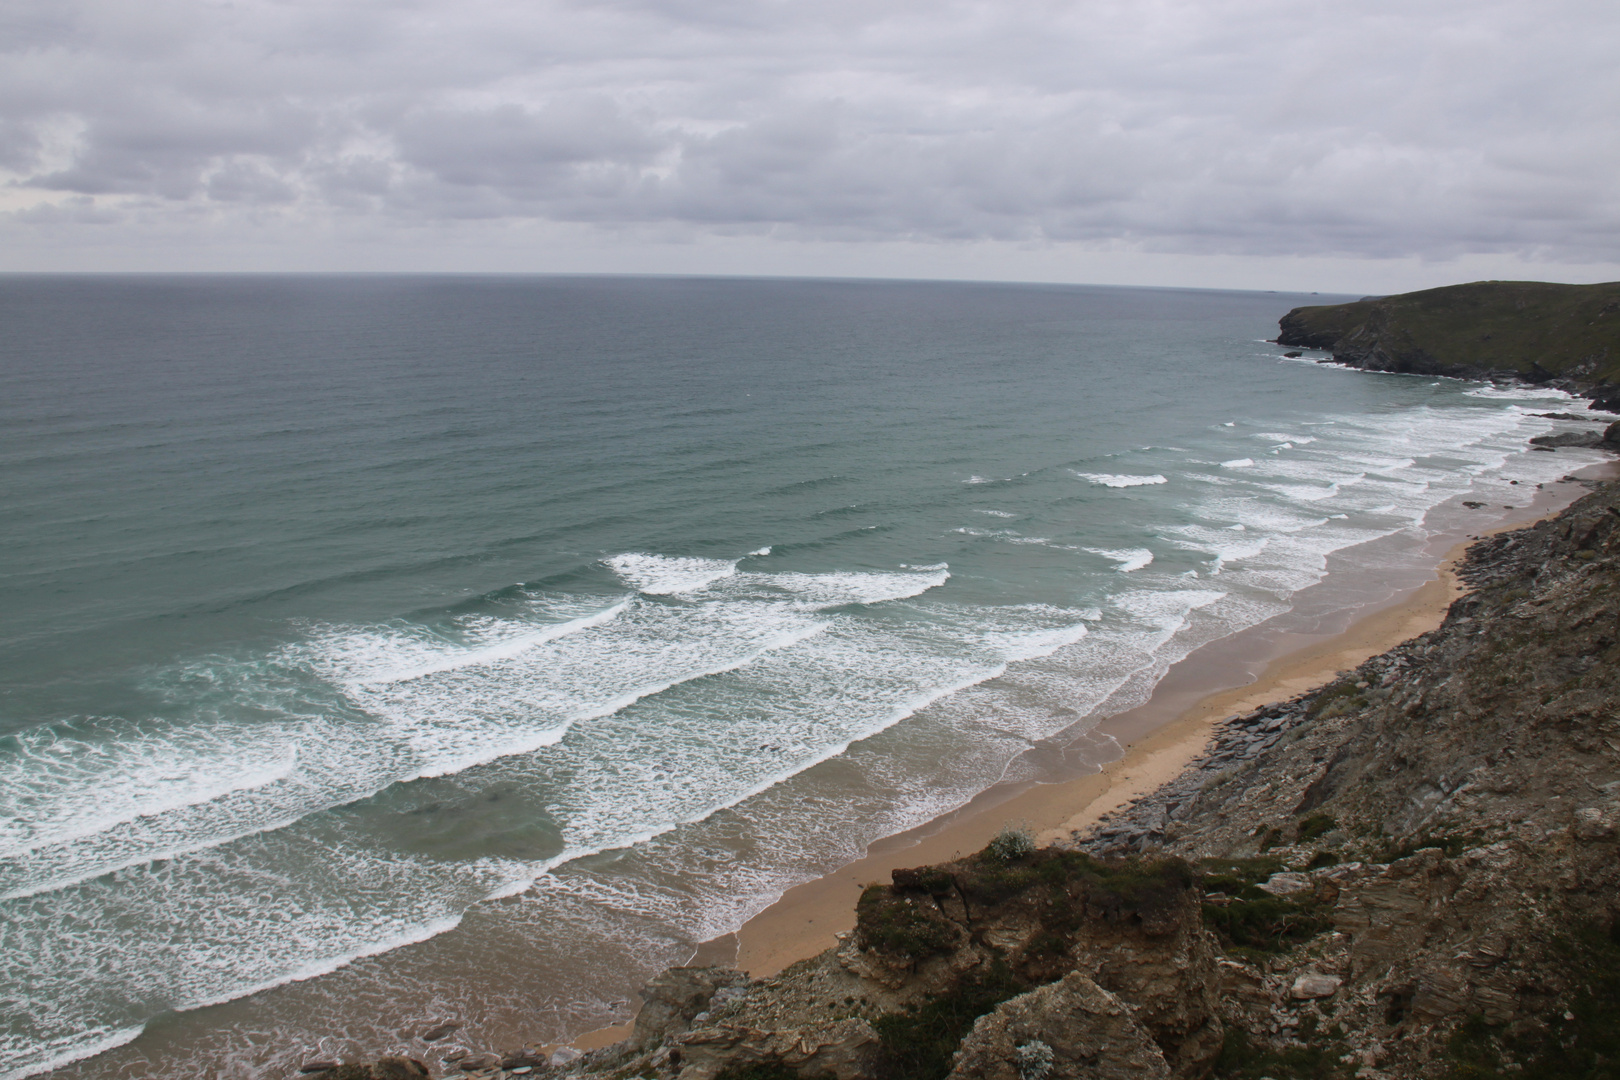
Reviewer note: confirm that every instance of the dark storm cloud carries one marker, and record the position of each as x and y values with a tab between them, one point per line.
1198	126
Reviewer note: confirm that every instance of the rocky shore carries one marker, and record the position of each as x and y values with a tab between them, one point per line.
1409	872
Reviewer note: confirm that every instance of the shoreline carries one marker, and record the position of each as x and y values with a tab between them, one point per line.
1158	740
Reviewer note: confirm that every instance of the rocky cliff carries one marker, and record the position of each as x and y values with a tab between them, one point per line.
1565	335
1410	872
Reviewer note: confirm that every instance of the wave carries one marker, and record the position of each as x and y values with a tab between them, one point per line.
502	650
1122	481
1129	559
665	575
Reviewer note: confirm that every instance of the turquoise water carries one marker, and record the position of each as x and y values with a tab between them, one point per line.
517	634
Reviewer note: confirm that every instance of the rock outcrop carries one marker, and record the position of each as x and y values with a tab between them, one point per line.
1562	335
1072	1029
1413	871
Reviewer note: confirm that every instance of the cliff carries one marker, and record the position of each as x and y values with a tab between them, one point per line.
1411	872
1565	335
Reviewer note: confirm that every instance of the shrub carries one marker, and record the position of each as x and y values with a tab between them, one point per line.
1033	1060
1316	825
1012	843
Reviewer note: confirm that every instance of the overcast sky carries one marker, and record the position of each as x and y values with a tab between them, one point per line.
1357	146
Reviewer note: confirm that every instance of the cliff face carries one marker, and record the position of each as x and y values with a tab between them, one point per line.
1411	872
1567	335
1441	822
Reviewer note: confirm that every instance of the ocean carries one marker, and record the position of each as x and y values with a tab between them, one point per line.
382	651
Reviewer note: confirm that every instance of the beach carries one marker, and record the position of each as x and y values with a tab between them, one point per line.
579	715
1159	740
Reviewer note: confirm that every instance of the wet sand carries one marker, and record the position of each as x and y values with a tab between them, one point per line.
1157	740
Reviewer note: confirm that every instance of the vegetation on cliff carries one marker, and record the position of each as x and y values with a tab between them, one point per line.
1535	331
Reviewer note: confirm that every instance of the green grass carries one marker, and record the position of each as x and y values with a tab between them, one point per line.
1267	924
918	1043
1240	1059
1314	827
902	923
1256	924
1535	328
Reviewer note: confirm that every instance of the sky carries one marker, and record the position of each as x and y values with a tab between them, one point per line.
1367	146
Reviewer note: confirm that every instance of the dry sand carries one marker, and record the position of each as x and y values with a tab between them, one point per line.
807	918
1158	743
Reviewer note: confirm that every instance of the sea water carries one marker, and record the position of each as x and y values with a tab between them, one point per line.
380	651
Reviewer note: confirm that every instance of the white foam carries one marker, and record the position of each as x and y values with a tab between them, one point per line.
1238	463
665	575
717	697
55	1053
1515	392
104	779
1129	559
1121	480
501	650
766	550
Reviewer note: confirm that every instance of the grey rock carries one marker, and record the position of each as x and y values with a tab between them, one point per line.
674	999
1287	884
1091	1033
1313	985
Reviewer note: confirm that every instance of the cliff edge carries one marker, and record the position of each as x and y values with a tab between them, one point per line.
1413	871
1564	335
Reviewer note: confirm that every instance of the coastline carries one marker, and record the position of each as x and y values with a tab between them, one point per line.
1158	739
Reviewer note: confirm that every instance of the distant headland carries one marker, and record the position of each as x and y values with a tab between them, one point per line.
1567	336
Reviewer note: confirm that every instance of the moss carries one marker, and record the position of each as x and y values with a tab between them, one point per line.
1241	1059
1452	844
919	1042
1267	924
1227	875
928	879
1315	826
1330	698
901	924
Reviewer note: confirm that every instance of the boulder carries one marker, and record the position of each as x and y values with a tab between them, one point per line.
1572	438
1313	985
1287	884
1066	1030
847	1049
674	999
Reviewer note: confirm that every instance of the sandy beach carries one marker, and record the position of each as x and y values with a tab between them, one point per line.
1158	740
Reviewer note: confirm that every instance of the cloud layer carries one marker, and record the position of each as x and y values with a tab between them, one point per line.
1233	127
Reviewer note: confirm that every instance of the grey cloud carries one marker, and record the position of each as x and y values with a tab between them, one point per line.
1201	126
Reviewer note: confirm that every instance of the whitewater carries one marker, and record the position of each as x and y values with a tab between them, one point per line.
381	651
